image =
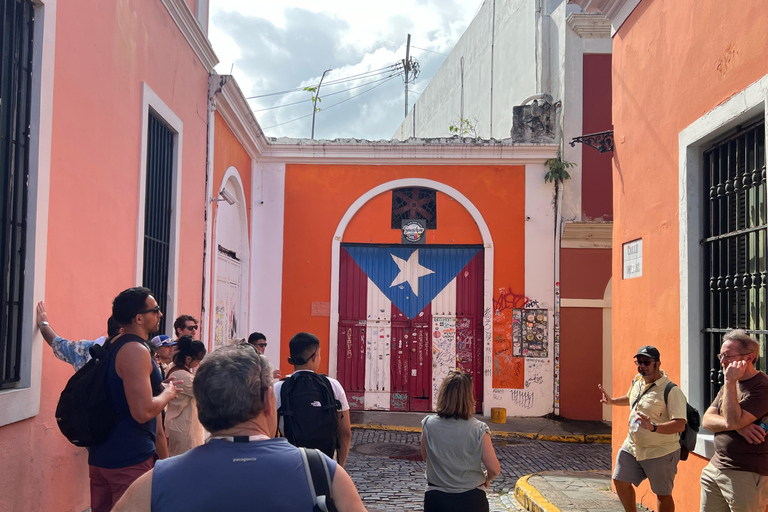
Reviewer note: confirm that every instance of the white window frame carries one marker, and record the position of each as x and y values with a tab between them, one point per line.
23	402
740	108
150	100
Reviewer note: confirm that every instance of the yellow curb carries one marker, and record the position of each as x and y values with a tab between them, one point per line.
576	438
530	498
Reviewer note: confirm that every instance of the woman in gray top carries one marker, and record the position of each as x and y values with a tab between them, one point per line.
453	444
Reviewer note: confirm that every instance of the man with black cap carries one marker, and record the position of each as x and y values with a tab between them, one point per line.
652	447
304	395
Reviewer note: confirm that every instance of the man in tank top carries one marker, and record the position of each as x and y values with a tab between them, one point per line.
246	468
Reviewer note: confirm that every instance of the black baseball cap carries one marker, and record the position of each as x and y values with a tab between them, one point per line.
649	351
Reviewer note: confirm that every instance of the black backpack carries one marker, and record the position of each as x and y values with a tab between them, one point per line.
85	415
309	408
692	425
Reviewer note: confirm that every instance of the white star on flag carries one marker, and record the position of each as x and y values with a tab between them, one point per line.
410	271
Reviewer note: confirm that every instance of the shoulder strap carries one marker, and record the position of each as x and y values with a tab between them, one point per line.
634	405
329	388
285	388
319	479
667	389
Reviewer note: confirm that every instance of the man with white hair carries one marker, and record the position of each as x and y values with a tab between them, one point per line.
244	466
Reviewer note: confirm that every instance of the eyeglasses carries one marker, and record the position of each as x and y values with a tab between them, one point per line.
723	357
191	327
644	362
262	345
155	310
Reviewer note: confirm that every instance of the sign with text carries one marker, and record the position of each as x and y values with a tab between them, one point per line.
414	231
633	259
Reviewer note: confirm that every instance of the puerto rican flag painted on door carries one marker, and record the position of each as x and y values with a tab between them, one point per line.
407	316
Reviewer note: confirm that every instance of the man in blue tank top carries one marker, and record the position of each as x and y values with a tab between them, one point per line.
138	396
242	467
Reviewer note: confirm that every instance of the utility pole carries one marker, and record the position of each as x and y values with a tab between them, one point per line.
314	103
407	68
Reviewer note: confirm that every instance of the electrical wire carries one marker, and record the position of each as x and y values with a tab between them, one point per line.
330	93
331	82
330	106
430	51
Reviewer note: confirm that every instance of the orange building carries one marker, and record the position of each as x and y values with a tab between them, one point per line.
689	109
103	179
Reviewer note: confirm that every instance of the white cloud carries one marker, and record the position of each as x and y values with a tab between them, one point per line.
277	46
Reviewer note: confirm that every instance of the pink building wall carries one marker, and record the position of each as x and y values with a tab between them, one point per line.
104	52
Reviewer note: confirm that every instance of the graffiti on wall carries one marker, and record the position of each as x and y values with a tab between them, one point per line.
443	351
508	369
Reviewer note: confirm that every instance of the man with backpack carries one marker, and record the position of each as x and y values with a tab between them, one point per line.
652	448
736	479
138	395
313	408
242	467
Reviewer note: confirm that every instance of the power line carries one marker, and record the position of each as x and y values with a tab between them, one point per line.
366	74
331	106
330	93
430	51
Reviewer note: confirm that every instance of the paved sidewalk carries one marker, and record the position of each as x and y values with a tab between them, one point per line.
582	491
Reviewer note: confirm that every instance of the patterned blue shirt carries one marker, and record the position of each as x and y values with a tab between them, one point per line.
74	352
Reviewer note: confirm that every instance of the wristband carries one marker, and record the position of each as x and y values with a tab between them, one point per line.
655	427
44	322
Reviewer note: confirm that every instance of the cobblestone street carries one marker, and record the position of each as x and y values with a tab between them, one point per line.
388	484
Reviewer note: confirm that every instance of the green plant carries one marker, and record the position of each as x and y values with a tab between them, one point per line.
464	127
315	96
558	170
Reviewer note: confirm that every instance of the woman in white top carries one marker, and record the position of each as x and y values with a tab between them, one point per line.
454	444
182	426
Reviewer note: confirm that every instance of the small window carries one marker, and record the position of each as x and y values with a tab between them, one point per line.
15	101
157	211
414	203
734	245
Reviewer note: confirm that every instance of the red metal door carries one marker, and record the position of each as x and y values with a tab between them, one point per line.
420	343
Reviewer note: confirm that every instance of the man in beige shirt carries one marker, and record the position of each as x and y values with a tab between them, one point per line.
652	447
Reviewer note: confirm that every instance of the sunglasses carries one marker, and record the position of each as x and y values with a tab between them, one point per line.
192	327
155	309
647	362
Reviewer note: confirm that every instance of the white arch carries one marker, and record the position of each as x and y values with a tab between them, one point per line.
231	176
488	263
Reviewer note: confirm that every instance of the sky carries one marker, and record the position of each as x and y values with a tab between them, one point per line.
285	45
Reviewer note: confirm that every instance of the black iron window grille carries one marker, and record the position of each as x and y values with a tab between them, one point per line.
414	203
734	245
15	100
157	211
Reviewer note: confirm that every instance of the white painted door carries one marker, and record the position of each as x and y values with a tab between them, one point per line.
227	324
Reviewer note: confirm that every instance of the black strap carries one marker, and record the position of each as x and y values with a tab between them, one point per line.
667	389
634	405
319	479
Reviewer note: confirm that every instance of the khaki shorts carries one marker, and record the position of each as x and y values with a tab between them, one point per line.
660	471
720	488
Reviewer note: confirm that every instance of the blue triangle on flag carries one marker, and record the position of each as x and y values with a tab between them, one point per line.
411	276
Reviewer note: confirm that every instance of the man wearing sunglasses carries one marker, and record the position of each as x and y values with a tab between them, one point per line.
185	325
259	342
652	447
736	479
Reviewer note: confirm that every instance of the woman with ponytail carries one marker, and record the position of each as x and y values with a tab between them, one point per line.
182	425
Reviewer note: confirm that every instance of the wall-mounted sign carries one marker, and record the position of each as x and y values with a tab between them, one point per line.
633	259
414	231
